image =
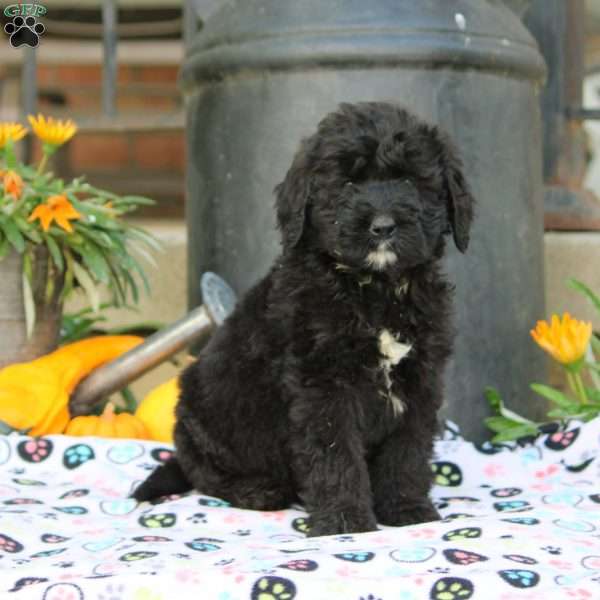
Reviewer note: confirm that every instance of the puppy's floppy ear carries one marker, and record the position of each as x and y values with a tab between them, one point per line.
459	198
291	201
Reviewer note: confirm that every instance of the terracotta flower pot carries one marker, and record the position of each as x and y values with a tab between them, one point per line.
15	346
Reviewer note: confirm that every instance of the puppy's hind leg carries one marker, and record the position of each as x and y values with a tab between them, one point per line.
164	480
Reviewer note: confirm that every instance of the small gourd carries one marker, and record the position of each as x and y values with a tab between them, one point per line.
108	425
157	410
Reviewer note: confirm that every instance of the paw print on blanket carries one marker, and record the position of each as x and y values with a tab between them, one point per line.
198	518
512	505
454	516
414	554
47	553
158	520
125	452
35	450
7	544
77	455
162	455
80	493
561	440
32	482
446	474
273	588
506	492
25	582
53	538
71	510
301	524
139	555
301	564
451	588
519	558
464	533
213	502
63	591
24	32
204	544
463	557
523	521
356	557
520	578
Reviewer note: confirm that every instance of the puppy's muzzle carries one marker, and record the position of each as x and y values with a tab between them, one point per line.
383	227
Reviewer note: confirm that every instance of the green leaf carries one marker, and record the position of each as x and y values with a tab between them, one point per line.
13	234
498	423
130	281
593	394
144	236
28	266
29	305
515	433
142	200
555	396
129	400
94	261
68	285
87	283
9	154
586	291
493	397
27	230
55	253
559	413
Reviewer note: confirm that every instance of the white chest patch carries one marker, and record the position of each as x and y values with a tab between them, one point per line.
392	352
381	258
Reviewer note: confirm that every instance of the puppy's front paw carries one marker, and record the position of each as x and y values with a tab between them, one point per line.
341	521
397	515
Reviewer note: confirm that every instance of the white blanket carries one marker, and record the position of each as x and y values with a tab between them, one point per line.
520	523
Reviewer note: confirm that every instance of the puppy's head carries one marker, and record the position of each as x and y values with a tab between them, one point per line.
376	189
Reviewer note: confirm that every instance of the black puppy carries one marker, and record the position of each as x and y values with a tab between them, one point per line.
323	386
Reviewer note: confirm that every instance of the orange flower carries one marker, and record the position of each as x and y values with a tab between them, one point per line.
13	184
566	341
58	209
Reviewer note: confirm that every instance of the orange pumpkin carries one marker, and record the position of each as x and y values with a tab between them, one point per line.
109	425
34	396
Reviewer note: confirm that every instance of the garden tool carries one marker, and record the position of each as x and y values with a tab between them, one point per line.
197	327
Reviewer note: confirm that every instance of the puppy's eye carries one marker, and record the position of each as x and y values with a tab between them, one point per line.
348	184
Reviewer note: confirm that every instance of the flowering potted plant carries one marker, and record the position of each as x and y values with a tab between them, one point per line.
574	346
57	236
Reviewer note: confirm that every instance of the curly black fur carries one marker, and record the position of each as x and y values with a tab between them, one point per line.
323	386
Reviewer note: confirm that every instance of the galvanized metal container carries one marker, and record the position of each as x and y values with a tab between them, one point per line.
263	72
15	346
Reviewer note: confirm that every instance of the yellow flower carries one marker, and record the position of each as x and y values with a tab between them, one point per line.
58	209
13	184
52	131
566	341
11	131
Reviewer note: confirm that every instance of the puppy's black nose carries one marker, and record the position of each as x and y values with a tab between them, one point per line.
383	226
